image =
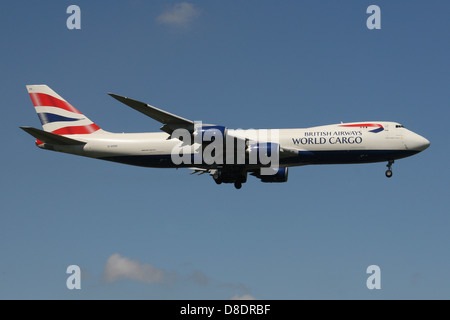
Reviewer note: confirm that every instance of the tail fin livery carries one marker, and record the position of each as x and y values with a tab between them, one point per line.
57	115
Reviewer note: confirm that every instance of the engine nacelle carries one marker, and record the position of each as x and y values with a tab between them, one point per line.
208	133
281	175
263	153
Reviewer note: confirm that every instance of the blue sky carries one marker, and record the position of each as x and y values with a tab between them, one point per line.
242	64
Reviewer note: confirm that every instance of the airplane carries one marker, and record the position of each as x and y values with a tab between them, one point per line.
65	129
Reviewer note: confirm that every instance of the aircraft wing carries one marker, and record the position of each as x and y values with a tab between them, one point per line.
288	152
170	121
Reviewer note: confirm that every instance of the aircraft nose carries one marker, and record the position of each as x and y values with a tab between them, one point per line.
417	142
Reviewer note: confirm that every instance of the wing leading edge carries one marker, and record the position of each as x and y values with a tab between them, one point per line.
170	121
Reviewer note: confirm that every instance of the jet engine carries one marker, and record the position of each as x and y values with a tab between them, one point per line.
263	153
280	175
208	133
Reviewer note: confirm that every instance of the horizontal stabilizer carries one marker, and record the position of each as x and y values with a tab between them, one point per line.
171	122
51	138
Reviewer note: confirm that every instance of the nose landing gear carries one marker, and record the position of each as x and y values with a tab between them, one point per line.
389	170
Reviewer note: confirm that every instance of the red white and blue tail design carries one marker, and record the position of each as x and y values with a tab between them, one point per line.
57	115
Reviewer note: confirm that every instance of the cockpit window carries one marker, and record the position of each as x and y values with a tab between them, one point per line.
399	126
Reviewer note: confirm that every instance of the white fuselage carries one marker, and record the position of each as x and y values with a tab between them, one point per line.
329	144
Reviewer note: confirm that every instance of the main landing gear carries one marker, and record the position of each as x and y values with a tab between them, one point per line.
389	170
238	176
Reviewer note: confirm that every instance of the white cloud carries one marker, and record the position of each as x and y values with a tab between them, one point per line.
239	286
180	15
118	267
243	297
198	277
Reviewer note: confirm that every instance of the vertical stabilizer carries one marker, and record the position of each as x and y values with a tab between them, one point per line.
57	115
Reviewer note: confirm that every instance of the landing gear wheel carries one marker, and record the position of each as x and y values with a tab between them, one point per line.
389	170
238	185
388	173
